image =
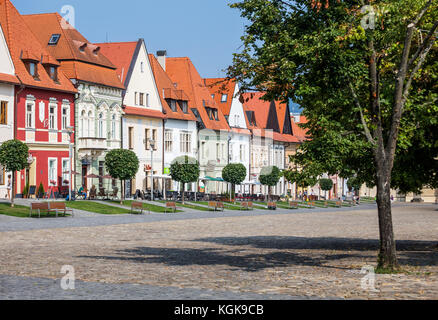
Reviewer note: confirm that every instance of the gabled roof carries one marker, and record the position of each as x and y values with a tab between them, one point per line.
121	55
79	58
23	43
219	87
270	117
167	90
183	73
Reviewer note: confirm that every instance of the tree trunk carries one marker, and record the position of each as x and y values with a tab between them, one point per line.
122	196
183	192
387	258
13	190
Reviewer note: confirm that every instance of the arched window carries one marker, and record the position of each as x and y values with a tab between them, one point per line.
82	123
90	124
100	128
113	127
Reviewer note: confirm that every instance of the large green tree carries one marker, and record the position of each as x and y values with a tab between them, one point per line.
13	157
270	176
185	170
234	173
362	70
122	164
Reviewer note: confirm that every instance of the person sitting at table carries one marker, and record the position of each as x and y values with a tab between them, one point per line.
93	193
82	192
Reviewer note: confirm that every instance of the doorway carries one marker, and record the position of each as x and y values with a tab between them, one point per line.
84	174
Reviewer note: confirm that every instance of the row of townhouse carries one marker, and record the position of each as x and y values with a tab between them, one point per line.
59	89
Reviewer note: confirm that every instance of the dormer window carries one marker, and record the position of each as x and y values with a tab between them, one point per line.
54	39
82	47
96	51
172	104
215	114
32	68
184	106
224	98
52	71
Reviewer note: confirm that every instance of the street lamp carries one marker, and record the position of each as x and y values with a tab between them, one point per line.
69	131
152	145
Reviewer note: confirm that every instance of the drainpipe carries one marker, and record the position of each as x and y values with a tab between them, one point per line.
22	87
162	158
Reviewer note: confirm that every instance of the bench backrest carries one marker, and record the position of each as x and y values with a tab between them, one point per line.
338	203
293	204
57	205
170	204
39	206
212	204
272	204
220	204
137	205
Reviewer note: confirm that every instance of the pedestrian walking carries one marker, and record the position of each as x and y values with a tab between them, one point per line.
9	186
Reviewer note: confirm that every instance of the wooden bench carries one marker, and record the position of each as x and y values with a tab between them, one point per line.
220	206
40	207
171	206
247	206
272	205
216	205
338	204
293	205
60	207
310	205
137	206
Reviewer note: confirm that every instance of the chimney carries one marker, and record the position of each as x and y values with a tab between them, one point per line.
161	57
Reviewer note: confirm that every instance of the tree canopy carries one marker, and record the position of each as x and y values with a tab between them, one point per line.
184	169
365	73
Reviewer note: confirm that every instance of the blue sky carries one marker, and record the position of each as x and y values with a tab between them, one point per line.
207	31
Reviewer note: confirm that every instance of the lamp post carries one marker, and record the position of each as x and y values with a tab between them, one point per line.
152	145
69	130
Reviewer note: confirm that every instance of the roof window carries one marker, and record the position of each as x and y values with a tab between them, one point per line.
54	39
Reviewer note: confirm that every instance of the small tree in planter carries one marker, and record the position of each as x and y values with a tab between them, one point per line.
26	190
122	164
234	173
270	176
41	191
13	157
326	185
185	170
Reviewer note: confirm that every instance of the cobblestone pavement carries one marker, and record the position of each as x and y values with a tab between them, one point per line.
303	254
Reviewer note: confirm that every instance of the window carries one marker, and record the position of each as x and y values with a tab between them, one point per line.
30	106
142	67
210	113
65	117
216	115
242	152
113	127
217	150
146	139
4	113
52	117
147	100
168	141
203	149
185	142
54	39
53	73
131	138
53	172
100	125
142	99
101	173
172	105
65	170
90	129
154	137
184	106
135	98
82	123
33	69
224	98
2	175
212	96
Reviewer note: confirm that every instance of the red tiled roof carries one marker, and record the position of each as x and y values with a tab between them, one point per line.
120	54
23	43
299	132
182	72
9	78
167	89
253	102
219	87
88	64
136	111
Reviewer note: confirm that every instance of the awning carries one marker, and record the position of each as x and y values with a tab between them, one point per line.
213	179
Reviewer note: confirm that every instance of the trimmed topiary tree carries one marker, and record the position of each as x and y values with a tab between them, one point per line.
234	173
122	164
13	157
302	179
354	184
40	193
326	185
185	170
270	176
